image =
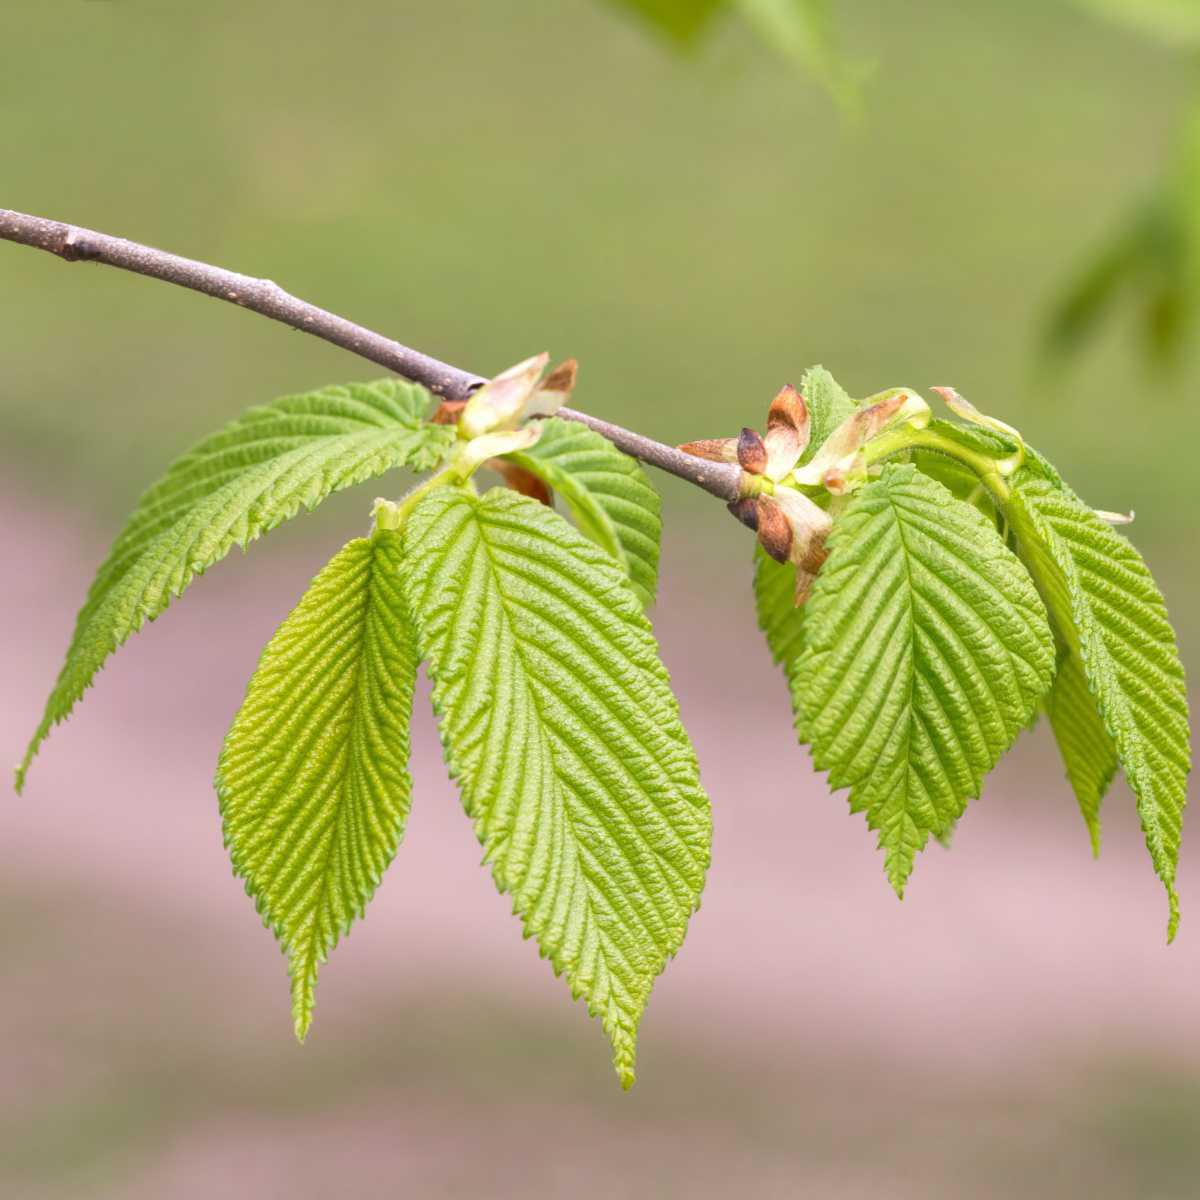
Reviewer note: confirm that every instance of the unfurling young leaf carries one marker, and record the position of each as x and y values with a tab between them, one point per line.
1109	614
607	493
313	778
233	487
926	651
559	724
828	406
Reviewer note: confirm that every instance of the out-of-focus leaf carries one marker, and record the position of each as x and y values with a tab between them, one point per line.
680	20
1138	261
803	31
1151	261
1176	22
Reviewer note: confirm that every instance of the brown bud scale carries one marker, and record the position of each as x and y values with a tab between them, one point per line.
774	529
746	511
751	453
712	449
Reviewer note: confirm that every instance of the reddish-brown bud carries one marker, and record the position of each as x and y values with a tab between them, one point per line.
789	409
751	453
561	378
787	433
774	530
746	511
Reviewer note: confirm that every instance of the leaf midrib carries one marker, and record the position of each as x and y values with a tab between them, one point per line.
535	703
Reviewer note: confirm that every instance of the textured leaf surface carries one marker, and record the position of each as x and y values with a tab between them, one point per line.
1110	612
313	778
927	650
775	602
828	406
559	724
259	471
607	493
1087	749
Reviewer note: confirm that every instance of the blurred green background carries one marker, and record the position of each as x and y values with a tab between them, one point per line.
484	181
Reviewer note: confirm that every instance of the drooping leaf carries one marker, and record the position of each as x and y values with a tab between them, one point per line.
927	650
608	494
1109	612
828	406
1087	749
313	777
233	487
559	724
775	603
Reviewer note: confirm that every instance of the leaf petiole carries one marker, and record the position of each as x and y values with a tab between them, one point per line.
896	441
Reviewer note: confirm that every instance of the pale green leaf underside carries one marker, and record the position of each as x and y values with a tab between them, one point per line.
313	777
775	603
257	472
927	650
559	724
608	494
1111	613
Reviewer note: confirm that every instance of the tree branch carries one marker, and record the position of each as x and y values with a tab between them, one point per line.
75	244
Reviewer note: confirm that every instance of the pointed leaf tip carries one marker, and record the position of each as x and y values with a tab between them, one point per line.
1131	699
598	827
265	467
313	777
902	547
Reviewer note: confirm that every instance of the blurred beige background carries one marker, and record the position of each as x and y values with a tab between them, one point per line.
485	181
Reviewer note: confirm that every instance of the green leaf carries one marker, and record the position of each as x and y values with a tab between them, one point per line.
1111	615
1087	749
680	20
926	652
559	724
775	602
1144	259
1174	22
828	406
608	495
233	487
313	777
803	31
